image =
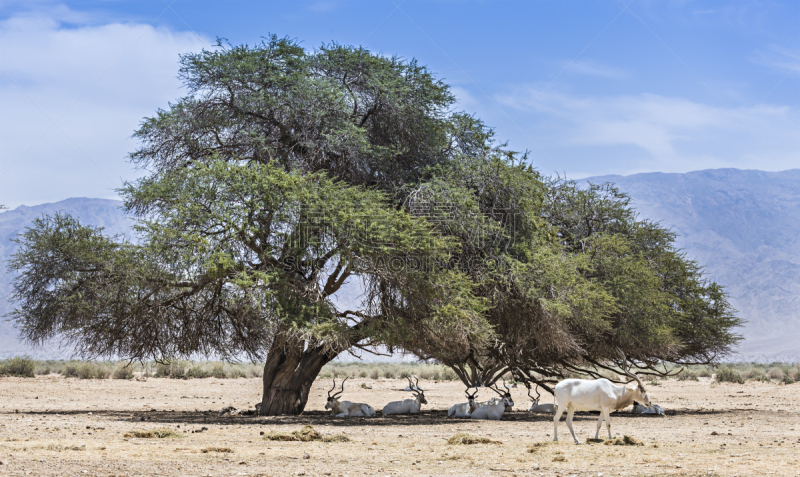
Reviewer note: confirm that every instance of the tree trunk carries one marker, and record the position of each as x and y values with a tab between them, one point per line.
288	375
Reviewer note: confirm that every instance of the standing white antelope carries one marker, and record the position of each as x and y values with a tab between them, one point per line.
464	409
596	395
494	411
347	408
407	406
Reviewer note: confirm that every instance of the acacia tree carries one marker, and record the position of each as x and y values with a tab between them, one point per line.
285	173
267	188
575	282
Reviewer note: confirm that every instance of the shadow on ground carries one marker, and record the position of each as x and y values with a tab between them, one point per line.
426	418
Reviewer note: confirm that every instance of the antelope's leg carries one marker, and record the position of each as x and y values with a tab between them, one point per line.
559	411
570	413
607	418
599	423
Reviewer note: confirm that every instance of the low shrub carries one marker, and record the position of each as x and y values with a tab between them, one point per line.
776	374
171	369
70	371
123	372
688	375
197	372
92	371
21	366
727	374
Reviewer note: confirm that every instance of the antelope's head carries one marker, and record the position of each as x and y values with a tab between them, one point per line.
504	395
417	391
471	397
638	390
333	399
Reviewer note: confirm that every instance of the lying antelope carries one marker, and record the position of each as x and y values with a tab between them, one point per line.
494	411
540	408
464	409
596	395
495	400
347	408
407	406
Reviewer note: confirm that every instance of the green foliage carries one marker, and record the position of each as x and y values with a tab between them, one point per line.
123	372
21	366
726	374
92	371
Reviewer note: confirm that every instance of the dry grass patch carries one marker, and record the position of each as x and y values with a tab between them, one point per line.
625	441
462	438
536	446
62	448
216	449
306	434
162	433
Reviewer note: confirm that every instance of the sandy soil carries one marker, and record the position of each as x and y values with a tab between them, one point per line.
58	426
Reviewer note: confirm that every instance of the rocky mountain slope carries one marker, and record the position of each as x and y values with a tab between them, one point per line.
744	227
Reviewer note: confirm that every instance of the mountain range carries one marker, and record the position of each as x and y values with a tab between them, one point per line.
743	226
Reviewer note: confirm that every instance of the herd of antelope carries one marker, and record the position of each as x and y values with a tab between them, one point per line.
570	395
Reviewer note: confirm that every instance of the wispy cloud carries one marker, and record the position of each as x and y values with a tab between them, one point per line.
779	57
592	68
670	134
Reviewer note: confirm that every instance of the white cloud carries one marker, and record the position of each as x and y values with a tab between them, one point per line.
647	132
100	80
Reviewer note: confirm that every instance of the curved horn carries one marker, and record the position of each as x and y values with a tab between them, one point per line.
626	370
471	396
340	392
416	384
537	393
334	387
493	387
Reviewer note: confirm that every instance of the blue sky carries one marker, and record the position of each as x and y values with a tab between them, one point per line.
588	87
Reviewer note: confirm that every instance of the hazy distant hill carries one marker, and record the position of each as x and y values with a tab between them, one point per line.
744	226
97	212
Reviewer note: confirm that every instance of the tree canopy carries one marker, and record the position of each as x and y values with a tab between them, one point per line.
286	173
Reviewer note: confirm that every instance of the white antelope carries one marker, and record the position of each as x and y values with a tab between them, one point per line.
537	408
464	409
494	411
407	406
596	395
495	400
347	408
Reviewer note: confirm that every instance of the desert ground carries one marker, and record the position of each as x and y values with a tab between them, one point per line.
51	425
